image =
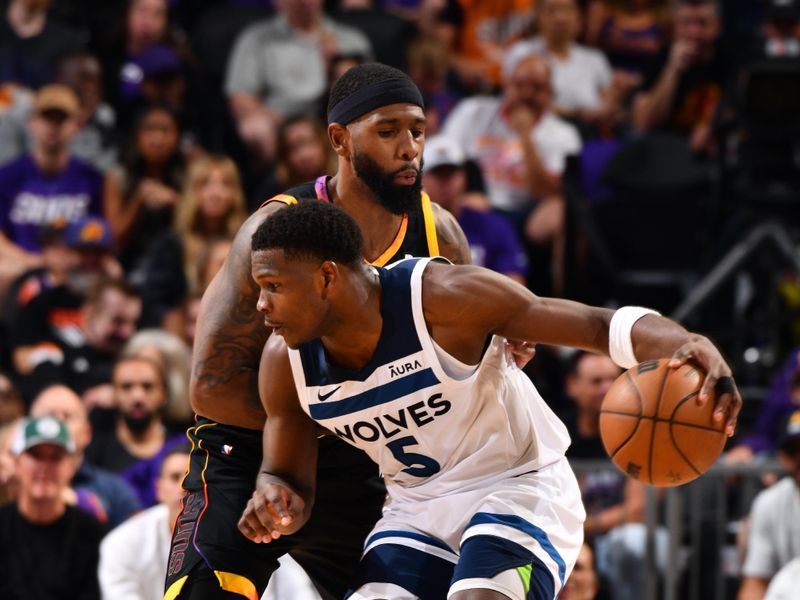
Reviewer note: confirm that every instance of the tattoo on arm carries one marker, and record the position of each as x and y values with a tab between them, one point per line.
452	241
230	334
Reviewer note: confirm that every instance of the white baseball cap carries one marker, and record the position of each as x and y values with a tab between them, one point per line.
442	151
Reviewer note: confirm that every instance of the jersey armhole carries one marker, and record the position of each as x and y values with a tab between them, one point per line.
425	338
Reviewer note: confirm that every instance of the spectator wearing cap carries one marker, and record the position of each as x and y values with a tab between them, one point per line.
522	148
141	72
492	240
774	532
50	550
95	141
278	67
54	316
105	495
70	255
48	184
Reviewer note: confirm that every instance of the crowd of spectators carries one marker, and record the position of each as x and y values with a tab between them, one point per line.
137	135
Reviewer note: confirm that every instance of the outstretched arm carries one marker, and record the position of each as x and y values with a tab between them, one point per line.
453	245
286	482
463	305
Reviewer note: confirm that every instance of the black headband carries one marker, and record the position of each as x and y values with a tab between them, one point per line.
375	95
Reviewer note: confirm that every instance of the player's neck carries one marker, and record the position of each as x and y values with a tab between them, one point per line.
355	325
378	226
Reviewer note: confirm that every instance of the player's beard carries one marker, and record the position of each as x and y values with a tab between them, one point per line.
397	199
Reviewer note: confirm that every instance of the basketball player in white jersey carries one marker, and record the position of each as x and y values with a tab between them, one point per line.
407	363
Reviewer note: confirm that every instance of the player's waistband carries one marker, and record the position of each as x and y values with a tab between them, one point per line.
210	434
335	456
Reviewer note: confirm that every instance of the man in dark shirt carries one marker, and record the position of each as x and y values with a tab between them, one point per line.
682	92
589	377
31	42
137	439
50	550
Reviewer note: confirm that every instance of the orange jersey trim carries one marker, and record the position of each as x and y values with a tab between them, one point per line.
395	245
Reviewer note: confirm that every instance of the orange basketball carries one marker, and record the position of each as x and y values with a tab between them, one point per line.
653	428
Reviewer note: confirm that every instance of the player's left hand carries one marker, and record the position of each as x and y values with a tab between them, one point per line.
521	352
275	509
718	379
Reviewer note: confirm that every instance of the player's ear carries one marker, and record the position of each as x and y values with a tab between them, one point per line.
329	272
339	137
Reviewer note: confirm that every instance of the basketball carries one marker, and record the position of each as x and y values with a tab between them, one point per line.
653	428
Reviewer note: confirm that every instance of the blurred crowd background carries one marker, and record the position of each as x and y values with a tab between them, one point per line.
610	151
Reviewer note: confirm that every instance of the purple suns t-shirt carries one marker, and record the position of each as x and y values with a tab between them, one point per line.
493	242
30	199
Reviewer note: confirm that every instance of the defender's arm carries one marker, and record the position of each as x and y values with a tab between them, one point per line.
230	336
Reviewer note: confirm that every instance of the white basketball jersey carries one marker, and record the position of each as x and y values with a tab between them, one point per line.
431	434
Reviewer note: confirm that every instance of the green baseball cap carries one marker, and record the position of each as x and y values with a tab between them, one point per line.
43	430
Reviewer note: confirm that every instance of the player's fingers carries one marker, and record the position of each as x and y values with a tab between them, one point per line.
522	352
276	504
249	524
263	516
727	386
725	390
292	509
248	531
681	356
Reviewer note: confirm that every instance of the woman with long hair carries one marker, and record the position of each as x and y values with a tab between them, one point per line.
141	194
212	207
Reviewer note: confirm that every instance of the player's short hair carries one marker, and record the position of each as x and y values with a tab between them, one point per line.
365	75
312	229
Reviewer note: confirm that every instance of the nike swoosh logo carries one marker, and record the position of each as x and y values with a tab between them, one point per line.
323	397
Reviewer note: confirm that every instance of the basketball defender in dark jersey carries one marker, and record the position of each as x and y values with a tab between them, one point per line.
377	129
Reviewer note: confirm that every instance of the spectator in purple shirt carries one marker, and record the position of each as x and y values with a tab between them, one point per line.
783	398
47	185
492	240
